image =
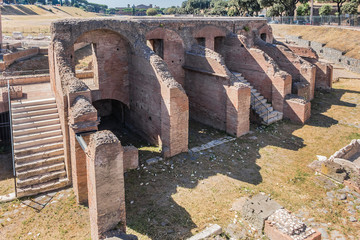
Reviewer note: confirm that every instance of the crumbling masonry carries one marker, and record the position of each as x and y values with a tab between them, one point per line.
160	72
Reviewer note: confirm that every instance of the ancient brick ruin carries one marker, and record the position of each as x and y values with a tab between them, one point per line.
151	76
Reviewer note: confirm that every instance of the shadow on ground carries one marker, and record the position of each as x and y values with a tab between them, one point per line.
151	209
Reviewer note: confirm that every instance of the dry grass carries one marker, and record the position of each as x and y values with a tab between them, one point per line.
40	23
330	36
182	195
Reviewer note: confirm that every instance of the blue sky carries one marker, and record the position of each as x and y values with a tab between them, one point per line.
124	3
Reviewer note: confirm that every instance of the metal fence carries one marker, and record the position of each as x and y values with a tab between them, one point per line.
343	20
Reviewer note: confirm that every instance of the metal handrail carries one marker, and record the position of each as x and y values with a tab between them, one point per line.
11	135
255	100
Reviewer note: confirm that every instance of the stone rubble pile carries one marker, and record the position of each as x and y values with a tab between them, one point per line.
290	225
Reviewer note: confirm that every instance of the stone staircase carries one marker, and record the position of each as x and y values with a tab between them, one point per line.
260	105
38	147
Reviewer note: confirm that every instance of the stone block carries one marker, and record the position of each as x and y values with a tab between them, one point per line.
297	110
131	158
334	171
208	232
257	209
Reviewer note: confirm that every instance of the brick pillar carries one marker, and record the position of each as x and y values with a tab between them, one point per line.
238	110
210	43
105	184
281	86
80	121
174	120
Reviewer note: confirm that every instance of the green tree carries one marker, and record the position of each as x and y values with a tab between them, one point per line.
325	10
350	8
170	10
289	5
276	10
303	10
233	11
246	6
218	7
151	12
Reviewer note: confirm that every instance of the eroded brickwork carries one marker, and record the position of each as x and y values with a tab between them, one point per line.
165	72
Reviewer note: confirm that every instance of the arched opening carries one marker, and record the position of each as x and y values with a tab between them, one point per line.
263	37
107	55
168	45
210	37
219	43
115	116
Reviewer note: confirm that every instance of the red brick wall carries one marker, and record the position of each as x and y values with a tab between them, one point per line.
12	57
306	52
259	69
324	74
113	54
300	69
173	51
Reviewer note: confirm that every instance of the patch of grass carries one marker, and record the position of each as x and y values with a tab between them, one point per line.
327	35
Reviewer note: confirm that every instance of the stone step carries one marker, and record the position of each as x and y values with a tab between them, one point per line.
272	120
33	108
34	130
39	170
253	90
237	74
38	163
37	142
270	115
39	149
261	102
42	188
34	119
21	103
43	178
34	113
260	108
39	155
255	94
35	124
258	98
263	110
35	136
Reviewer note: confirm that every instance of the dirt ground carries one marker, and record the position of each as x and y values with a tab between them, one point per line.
184	194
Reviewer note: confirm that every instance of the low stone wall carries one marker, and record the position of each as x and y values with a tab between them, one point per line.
348	151
38	78
329	54
12	57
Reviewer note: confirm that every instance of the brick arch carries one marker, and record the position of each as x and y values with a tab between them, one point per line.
209	33
111	53
265	34
173	50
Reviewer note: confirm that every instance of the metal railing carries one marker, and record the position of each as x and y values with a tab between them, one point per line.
11	135
333	20
255	100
